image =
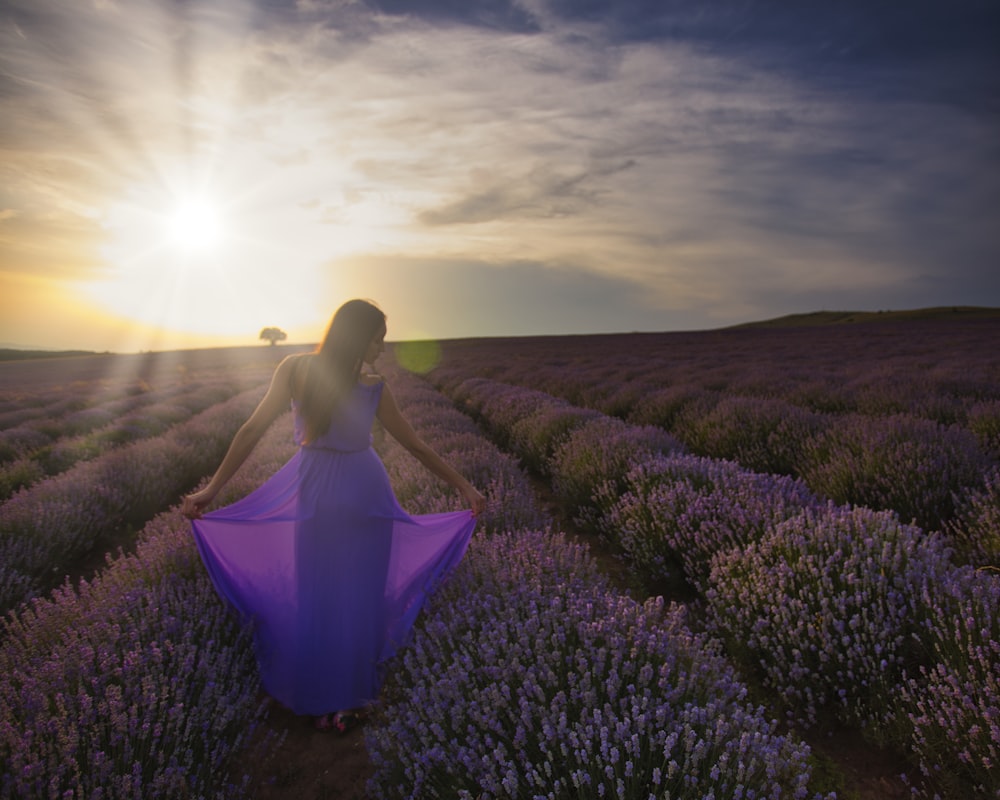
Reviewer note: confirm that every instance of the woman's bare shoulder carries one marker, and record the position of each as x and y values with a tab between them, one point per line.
296	366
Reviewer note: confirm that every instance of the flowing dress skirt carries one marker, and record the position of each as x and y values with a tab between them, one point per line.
330	571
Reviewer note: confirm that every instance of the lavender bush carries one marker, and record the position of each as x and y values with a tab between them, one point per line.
15	416
709	740
18	474
21	441
577	448
510	502
623	398
762	434
975	530
827	606
952	704
664	406
984	422
536	436
500	407
129	419
676	380
870	597
531	678
526	421
154	693
143	422
602	451
123	697
900	463
84	420
41	408
684	510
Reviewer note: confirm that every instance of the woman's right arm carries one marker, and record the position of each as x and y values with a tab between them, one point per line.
274	402
401	430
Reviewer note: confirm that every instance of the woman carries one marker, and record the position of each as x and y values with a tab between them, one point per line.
321	558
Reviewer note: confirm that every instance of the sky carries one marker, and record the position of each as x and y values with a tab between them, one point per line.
179	174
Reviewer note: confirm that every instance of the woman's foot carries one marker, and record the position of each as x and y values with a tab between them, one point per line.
323	723
340	722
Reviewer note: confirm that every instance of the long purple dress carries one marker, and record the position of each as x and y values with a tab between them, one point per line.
329	568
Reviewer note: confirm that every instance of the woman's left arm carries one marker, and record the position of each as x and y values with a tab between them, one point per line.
401	430
276	400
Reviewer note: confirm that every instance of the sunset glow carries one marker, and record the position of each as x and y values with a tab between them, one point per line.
209	169
196	227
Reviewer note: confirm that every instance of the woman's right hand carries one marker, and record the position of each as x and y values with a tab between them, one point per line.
475	499
196	502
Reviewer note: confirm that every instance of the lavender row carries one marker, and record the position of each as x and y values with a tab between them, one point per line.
975	530
21	409
839	609
164	726
941	371
139	683
531	676
924	470
32	428
896	457
43	529
47	452
19	413
668	511
42	417
911	465
61	398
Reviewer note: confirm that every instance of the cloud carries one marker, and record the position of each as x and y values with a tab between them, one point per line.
497	14
855	29
539	193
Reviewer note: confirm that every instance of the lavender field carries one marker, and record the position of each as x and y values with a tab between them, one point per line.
806	521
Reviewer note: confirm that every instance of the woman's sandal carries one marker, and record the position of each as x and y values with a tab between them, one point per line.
340	722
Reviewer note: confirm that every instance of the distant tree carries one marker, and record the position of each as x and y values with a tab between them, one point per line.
273	335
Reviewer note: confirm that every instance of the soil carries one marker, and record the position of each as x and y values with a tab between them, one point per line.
311	764
858	769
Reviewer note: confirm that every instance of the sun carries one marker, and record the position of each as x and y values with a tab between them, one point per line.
195	226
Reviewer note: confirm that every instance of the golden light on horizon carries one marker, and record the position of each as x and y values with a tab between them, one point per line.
206	250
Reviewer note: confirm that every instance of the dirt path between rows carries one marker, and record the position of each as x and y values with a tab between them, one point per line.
311	764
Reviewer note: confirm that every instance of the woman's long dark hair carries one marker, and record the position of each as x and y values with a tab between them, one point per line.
336	365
